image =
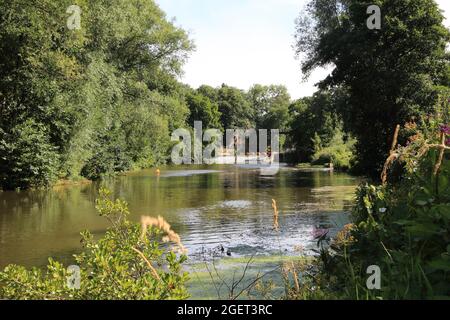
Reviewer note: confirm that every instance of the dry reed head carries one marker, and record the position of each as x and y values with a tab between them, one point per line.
275	214
295	269
163	225
392	155
441	148
390	160
344	237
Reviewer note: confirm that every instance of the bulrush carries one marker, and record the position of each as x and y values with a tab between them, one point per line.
275	214
162	225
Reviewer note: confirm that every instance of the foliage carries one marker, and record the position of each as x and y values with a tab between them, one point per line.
235	109
118	266
391	75
118	70
313	123
270	105
202	108
403	227
27	156
339	152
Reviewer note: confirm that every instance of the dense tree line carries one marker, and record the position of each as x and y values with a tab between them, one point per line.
89	101
317	132
105	98
391	76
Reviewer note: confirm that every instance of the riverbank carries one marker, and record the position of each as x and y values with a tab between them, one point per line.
224	205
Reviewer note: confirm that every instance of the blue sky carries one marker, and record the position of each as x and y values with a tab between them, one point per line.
242	42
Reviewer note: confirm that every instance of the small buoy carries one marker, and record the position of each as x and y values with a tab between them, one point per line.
158	172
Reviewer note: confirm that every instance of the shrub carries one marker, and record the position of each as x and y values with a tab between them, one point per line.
339	152
126	263
109	156
27	158
402	226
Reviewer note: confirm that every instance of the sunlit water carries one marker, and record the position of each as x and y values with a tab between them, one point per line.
209	207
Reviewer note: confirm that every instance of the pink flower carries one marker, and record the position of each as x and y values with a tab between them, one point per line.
445	129
319	233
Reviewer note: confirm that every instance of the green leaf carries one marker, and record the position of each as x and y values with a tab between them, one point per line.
423	230
440	264
421	202
442	182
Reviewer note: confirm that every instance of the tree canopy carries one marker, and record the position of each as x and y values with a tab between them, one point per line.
391	75
88	101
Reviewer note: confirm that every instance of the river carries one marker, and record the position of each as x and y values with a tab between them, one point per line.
210	207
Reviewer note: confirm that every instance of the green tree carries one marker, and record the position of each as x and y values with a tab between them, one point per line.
72	86
390	74
28	157
210	92
270	105
235	109
203	109
313	123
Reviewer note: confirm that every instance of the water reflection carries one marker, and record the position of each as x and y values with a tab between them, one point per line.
209	207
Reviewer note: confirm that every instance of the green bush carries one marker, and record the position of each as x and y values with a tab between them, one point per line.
110	155
402	226
92	101
28	159
404	230
124	264
339	152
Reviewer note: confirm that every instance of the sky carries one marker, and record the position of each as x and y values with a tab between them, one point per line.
243	42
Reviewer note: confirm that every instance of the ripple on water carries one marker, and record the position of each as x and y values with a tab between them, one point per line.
229	207
235	204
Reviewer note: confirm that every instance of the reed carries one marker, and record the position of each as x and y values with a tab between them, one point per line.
392	156
163	225
396	155
275	214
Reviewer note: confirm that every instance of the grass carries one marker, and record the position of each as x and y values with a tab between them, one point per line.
212	280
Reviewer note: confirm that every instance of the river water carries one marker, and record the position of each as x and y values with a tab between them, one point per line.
210	207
